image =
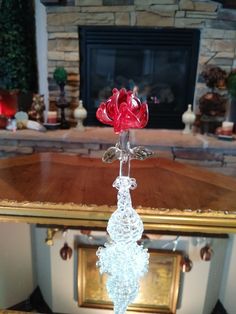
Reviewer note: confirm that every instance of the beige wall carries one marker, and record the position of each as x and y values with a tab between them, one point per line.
16	266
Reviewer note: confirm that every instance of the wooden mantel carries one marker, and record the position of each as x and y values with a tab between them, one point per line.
156	139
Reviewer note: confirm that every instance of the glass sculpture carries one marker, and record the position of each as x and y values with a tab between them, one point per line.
122	258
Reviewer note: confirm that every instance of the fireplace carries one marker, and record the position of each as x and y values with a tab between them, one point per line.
160	64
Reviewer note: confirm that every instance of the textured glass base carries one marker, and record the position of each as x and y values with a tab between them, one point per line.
122	258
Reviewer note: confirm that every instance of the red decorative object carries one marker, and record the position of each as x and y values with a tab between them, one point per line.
186	264
123	111
66	252
8	104
215	77
86	232
206	253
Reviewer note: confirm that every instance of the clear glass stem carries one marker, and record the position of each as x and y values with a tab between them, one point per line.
119	310
125	155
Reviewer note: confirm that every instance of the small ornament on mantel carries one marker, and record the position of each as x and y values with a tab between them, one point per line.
188	118
80	114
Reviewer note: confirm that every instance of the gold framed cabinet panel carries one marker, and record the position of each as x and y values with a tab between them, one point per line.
159	288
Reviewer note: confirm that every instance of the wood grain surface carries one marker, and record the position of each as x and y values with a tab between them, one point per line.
162	183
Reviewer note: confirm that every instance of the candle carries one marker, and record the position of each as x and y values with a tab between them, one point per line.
50	117
227	128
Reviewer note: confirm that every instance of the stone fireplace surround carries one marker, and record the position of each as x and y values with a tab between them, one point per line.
217	26
58	45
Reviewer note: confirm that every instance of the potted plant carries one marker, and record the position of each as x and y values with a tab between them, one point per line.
18	73
60	77
213	104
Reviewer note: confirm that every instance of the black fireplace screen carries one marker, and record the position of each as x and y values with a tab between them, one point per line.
159	65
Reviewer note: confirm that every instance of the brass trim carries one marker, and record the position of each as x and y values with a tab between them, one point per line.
70	214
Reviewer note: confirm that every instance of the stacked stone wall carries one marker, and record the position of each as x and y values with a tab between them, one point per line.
217	25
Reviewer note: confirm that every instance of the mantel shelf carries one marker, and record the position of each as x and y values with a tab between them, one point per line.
157	139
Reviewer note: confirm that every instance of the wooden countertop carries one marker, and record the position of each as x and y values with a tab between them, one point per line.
64	189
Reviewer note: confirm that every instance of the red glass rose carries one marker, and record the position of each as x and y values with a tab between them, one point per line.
123	111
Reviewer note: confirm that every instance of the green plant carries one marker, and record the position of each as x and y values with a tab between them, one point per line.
231	83
60	75
17	46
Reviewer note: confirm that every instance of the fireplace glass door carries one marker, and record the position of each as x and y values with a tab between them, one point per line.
157	64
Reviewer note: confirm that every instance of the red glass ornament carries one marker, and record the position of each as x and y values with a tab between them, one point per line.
66	252
8	104
123	111
85	232
186	264
206	253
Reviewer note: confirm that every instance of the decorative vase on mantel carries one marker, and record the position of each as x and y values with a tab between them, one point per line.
80	114
188	119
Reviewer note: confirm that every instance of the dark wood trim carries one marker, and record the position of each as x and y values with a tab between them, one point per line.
58	2
230	4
